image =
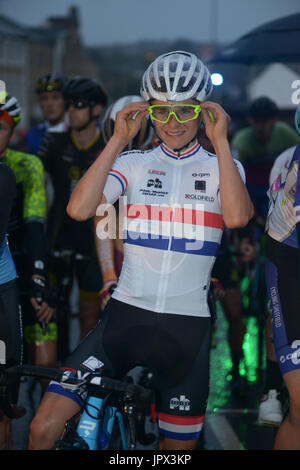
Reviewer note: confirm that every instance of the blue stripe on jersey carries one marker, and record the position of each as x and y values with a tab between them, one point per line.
181	157
182	245
180	436
119	179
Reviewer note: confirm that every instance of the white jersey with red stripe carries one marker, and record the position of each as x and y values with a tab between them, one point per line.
172	227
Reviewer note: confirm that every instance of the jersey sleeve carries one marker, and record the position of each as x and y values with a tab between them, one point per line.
118	177
7	192
241	172
34	203
240	169
46	154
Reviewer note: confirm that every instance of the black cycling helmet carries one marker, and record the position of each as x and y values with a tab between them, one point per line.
86	89
50	82
145	134
263	108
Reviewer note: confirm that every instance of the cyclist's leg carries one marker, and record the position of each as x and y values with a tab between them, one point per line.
182	404
10	349
40	347
59	405
225	271
282	279
288	436
89	280
48	423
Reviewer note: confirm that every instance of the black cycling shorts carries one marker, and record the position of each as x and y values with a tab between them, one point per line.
11	340
282	280
174	347
86	270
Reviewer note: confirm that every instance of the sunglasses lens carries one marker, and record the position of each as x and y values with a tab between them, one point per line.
182	113
78	104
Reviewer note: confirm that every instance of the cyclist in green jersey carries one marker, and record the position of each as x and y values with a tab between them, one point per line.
27	241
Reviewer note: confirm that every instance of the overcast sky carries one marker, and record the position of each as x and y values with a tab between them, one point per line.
126	21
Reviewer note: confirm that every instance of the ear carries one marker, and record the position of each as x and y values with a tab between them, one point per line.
13	134
97	110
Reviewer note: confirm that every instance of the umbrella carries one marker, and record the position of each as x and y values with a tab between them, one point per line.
276	41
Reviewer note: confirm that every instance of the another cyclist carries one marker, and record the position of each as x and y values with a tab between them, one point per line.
49	90
158	316
11	348
28	242
110	251
66	156
257	147
282	278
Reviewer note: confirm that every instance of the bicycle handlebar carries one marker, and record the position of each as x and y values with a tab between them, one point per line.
67	381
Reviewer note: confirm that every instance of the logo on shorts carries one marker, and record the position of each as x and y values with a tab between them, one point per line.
293	356
182	403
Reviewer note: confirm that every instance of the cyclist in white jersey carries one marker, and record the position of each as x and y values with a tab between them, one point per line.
177	198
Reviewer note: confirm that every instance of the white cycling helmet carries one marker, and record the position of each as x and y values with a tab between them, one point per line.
176	76
11	105
145	134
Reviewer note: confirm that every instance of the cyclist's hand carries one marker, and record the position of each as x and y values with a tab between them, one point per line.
39	300
247	251
218	290
105	293
128	120
216	128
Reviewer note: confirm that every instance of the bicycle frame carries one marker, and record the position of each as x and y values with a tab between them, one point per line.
97	430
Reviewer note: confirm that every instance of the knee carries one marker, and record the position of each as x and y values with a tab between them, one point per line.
295	407
42	433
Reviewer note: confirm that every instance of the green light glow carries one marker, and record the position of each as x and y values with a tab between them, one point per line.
221	363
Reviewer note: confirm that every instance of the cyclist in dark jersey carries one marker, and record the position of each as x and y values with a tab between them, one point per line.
28	246
66	157
11	349
49	90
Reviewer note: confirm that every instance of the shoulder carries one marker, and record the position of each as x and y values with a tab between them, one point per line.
133	157
6	173
23	160
283	128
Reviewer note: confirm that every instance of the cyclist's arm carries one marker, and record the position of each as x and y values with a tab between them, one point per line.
7	192
105	254
34	211
297	200
237	208
88	193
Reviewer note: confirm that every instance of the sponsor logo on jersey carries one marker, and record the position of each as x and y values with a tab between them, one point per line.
154	183
157	172
200	186
201	175
200	197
